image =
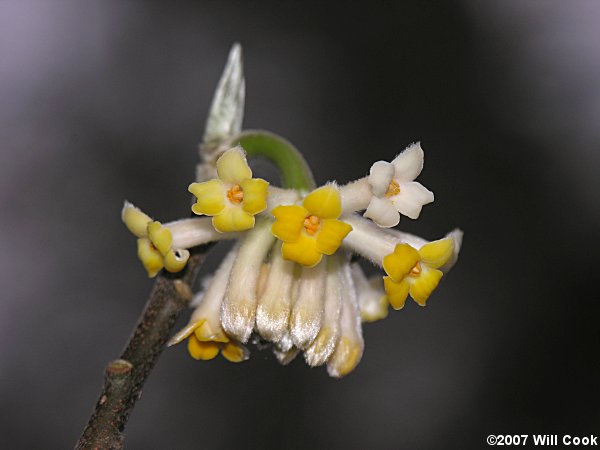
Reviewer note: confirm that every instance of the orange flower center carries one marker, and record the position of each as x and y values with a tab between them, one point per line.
393	189
235	194
415	271
312	224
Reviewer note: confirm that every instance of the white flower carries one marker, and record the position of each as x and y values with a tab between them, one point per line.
394	190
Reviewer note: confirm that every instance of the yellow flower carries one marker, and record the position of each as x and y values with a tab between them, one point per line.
206	339
235	197
310	231
204	334
203	345
154	243
415	271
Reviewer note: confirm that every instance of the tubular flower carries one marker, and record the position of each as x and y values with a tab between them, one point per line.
372	301
312	230
413	265
235	197
238	312
349	350
415	271
205	336
154	243
165	246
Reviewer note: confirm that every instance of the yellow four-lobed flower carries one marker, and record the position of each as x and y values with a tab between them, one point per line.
312	230
235	197
205	343
415	272
154	243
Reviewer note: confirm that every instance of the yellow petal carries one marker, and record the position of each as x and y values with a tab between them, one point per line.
135	220
255	195
288	222
202	350
160	237
378	310
331	235
150	257
210	332
396	292
437	253
346	357
398	264
184	332
175	261
233	352
303	251
324	202
233	218
424	285
232	166
211	197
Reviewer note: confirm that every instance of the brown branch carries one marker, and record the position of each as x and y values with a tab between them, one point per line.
125	377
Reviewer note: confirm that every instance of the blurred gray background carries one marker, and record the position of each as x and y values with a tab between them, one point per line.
104	100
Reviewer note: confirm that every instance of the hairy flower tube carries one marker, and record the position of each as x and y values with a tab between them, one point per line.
372	299
235	197
291	280
413	265
205	336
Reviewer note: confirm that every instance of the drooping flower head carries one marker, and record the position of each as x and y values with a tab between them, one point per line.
291	279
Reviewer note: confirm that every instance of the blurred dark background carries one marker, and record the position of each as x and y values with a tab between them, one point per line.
104	100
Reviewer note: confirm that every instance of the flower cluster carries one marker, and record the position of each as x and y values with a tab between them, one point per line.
290	278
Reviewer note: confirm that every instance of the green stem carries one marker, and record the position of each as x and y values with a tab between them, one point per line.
295	173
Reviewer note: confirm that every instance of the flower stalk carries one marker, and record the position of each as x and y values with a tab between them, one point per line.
295	172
